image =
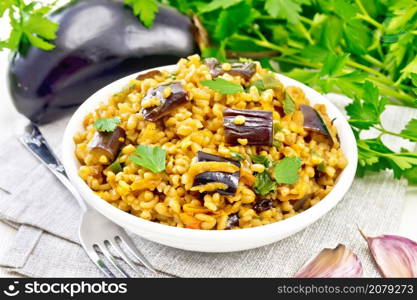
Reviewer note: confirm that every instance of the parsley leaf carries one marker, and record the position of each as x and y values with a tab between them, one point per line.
149	157
283	9
342	8
216	4
321	167
366	113
268	81
413	77
289	104
262	159
237	156
106	125
276	127
333	64
375	156
5	5
409	69
259	85
38	24
223	86
38	29
264	184
285	170
29	25
358	37
328	31
410	130
314	53
411	175
231	19
307	76
115	166
145	10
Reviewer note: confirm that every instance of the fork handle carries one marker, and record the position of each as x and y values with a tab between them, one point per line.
33	140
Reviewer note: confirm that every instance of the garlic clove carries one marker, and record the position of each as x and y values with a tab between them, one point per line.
330	263
394	255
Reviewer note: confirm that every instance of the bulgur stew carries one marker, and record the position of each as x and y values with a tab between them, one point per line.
210	145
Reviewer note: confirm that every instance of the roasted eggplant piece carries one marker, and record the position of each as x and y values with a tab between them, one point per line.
98	42
203	156
263	205
313	121
149	74
232	220
243	69
107	143
231	180
257	127
177	97
300	202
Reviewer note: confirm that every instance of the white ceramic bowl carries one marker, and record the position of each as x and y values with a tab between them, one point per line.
210	240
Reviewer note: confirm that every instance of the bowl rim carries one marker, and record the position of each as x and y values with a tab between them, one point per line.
287	226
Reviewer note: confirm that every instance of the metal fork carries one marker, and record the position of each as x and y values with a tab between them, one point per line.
95	232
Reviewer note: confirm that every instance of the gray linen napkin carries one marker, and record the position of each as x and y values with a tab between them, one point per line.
47	217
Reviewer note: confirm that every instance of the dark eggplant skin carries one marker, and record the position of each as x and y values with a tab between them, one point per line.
203	156
313	121
300	202
263	205
178	96
257	129
108	143
98	42
231	180
232	220
243	69
149	74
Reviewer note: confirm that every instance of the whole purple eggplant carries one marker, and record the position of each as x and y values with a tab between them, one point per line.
98	42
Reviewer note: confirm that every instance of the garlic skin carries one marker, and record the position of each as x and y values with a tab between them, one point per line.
394	255
332	263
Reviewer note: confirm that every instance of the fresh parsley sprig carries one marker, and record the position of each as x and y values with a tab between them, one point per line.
262	159
286	170
289	105
149	157
237	156
116	165
30	25
264	184
364	114
223	86
106	124
145	10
